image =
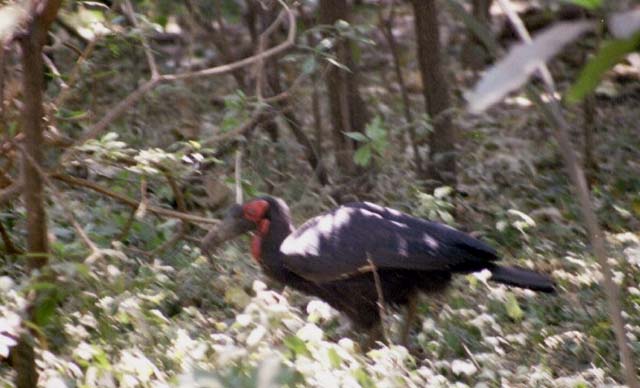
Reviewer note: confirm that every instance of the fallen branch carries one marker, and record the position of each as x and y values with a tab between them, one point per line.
78	182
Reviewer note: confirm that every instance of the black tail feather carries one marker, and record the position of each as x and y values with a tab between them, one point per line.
523	278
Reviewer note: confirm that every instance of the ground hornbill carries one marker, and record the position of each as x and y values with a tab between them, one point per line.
331	255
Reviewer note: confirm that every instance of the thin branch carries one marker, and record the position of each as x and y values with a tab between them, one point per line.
62	202
285	95
386	25
182	206
553	112
257	116
10	193
112	115
524	36
75	73
381	306
238	175
127	226
8	244
78	182
152	83
54	70
262	43
246	61
131	15
141	210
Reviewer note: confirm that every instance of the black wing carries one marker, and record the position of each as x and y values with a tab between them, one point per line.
339	243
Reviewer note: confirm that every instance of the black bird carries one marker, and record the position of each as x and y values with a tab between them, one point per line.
330	255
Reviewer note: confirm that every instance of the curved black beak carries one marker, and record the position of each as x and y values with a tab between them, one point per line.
233	225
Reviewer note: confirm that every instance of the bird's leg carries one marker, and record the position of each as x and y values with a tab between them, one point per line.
412	309
374	335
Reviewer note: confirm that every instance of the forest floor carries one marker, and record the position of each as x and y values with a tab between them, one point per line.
134	319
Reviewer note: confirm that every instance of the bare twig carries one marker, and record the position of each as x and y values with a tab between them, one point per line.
246	61
381	306
386	25
141	211
262	43
238	175
8	244
112	115
285	95
182	206
523	33
62	202
133	203
218	35
257	116
553	112
152	83
54	70
9	193
153	67
75	73
127	226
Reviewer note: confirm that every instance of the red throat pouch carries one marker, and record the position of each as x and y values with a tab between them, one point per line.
256	247
256	241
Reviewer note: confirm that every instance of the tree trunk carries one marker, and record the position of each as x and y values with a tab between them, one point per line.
442	140
33	112
31	42
474	55
347	109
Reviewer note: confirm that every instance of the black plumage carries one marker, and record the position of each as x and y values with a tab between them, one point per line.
329	256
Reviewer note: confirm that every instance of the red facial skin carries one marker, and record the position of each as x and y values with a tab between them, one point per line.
256	211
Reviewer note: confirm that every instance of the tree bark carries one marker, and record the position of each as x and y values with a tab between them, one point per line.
474	55
31	42
442	158
347	109
33	84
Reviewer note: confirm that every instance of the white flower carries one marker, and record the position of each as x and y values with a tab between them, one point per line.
6	343
310	333
256	335
319	310
243	319
84	351
6	283
138	364
483	275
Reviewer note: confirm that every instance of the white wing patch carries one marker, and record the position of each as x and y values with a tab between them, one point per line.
307	243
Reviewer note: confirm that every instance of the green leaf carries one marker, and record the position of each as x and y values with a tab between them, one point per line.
334	358
375	129
297	346
42	286
513	308
610	53
362	157
357	136
45	306
309	65
363	378
588	4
